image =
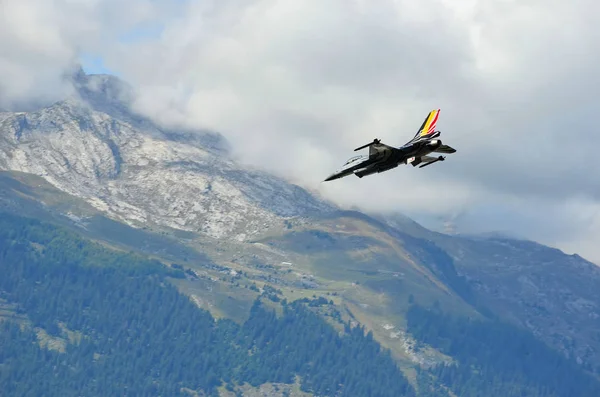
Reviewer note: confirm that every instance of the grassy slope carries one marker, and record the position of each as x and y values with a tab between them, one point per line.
367	272
371	273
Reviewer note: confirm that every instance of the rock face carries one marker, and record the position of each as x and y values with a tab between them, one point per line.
90	146
556	296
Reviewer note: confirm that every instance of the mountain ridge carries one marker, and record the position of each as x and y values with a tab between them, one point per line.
108	160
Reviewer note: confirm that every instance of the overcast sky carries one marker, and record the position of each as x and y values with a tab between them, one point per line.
296	85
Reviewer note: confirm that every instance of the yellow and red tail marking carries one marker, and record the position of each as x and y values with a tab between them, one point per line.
430	122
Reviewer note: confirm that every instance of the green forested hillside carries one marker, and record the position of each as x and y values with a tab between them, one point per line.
139	335
496	359
130	331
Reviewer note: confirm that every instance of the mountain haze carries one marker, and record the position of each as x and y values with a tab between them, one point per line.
92	165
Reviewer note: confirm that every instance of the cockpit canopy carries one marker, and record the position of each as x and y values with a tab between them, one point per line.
355	160
352	159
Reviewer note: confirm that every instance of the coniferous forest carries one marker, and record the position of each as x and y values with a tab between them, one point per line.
139	335
493	358
133	333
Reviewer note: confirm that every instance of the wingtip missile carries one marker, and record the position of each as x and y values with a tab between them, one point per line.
375	141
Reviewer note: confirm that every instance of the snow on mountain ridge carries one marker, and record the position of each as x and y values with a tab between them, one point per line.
142	174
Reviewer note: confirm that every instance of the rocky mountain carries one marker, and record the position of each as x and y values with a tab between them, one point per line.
554	295
90	162
90	147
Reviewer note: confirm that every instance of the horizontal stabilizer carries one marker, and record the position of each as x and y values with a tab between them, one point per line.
445	149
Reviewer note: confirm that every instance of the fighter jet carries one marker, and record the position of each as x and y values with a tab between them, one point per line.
383	157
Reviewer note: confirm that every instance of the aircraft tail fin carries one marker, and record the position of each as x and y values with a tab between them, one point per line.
429	124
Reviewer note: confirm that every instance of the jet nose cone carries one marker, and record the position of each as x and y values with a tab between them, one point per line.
332	177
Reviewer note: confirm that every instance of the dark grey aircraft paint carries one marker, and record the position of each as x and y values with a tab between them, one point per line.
383	157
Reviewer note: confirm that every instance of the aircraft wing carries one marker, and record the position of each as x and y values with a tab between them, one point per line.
445	149
376	147
427	160
383	145
424	160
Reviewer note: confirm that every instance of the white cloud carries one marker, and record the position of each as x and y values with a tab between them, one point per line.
41	39
297	85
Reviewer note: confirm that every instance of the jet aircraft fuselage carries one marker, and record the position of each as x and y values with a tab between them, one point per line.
383	157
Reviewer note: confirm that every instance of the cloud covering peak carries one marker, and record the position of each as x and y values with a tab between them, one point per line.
297	85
